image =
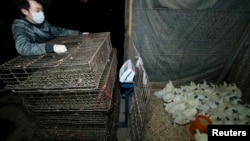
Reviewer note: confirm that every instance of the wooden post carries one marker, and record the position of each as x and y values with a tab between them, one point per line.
129	17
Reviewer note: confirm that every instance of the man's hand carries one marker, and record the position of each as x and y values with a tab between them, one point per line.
59	48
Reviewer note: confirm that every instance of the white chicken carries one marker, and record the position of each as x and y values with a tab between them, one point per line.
192	102
167	89
205	85
180	98
222	103
168	97
234	90
222	87
192	84
216	119
179	118
159	93
200	136
204	108
190	113
174	107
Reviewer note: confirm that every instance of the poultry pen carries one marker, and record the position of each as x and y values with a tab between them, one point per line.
70	95
206	46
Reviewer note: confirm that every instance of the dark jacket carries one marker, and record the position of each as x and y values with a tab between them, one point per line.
31	39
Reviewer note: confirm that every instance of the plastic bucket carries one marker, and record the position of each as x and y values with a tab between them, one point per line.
201	122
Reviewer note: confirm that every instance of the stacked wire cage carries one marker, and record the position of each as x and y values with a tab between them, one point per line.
71	94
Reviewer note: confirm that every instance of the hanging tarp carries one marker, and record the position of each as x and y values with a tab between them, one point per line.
193	42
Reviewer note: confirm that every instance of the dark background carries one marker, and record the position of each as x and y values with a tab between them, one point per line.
92	16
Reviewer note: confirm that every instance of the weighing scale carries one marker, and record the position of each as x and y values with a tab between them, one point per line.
126	78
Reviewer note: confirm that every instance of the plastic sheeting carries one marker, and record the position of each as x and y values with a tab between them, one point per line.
189	4
194	4
194	43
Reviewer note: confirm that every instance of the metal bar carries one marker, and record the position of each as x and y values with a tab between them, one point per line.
128	87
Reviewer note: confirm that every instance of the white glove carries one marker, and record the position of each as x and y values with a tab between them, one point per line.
59	48
85	33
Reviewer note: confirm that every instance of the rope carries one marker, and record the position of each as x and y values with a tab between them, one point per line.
105	92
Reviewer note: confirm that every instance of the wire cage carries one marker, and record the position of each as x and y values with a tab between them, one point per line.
70	95
79	114
80	68
194	45
78	126
71	132
98	99
139	103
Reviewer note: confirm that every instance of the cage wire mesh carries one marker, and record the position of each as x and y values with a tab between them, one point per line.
171	42
69	95
185	45
79	115
74	100
80	68
139	99
147	119
76	132
240	71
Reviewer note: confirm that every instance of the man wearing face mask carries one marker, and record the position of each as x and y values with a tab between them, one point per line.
32	32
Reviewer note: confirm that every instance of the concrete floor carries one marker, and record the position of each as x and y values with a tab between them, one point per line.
16	124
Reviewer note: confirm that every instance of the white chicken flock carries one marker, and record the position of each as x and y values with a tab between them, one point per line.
221	103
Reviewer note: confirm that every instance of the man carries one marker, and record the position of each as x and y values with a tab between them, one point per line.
32	32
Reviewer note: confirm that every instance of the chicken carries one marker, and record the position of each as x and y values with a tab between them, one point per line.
205	85
216	119
169	97
192	84
200	136
159	93
174	107
215	95
222	104
193	102
234	90
242	109
179	118
222	87
167	89
190	113
204	108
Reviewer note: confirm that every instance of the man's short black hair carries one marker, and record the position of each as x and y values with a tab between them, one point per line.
25	4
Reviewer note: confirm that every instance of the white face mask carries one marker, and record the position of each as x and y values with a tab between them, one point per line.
38	17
